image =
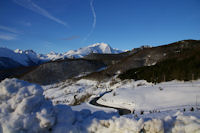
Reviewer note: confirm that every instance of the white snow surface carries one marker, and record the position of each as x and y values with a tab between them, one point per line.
129	94
68	92
24	109
146	96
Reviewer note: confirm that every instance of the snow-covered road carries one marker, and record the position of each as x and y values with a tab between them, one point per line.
121	111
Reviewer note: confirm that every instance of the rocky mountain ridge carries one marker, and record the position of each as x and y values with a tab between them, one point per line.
18	58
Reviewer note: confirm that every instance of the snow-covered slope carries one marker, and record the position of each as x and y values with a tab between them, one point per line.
24	58
148	97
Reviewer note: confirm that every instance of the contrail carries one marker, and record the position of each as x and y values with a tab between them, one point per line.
35	8
94	21
94	15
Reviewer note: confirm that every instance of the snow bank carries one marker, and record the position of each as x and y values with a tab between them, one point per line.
23	108
172	124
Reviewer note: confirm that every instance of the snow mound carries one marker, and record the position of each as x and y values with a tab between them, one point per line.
23	108
171	124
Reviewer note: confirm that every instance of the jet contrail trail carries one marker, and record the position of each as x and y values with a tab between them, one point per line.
94	15
29	4
94	21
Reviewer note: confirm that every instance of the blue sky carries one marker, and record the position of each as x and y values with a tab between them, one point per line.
62	25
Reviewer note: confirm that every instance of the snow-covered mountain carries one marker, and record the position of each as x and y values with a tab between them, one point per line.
29	57
18	57
101	48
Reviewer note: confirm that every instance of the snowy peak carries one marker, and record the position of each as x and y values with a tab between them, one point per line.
101	48
29	57
25	58
104	48
18	51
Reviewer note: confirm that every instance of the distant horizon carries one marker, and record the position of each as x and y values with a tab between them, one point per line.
64	25
96	43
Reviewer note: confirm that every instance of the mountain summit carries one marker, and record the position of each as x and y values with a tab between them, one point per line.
101	48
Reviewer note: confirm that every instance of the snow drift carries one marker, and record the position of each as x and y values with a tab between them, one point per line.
23	108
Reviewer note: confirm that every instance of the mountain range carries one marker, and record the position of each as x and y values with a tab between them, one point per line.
18	58
101	62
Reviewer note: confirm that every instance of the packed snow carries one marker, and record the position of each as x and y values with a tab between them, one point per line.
23	108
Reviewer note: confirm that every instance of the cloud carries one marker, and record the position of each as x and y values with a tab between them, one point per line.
35	8
8	29
94	20
7	37
71	38
8	33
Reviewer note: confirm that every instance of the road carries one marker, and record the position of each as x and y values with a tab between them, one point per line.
121	111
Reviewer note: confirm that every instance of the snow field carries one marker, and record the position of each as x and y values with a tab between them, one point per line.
163	96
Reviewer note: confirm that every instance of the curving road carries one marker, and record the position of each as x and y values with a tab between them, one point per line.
121	111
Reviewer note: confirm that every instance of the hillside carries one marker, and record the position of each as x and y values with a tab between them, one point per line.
146	57
17	63
183	66
60	70
96	66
